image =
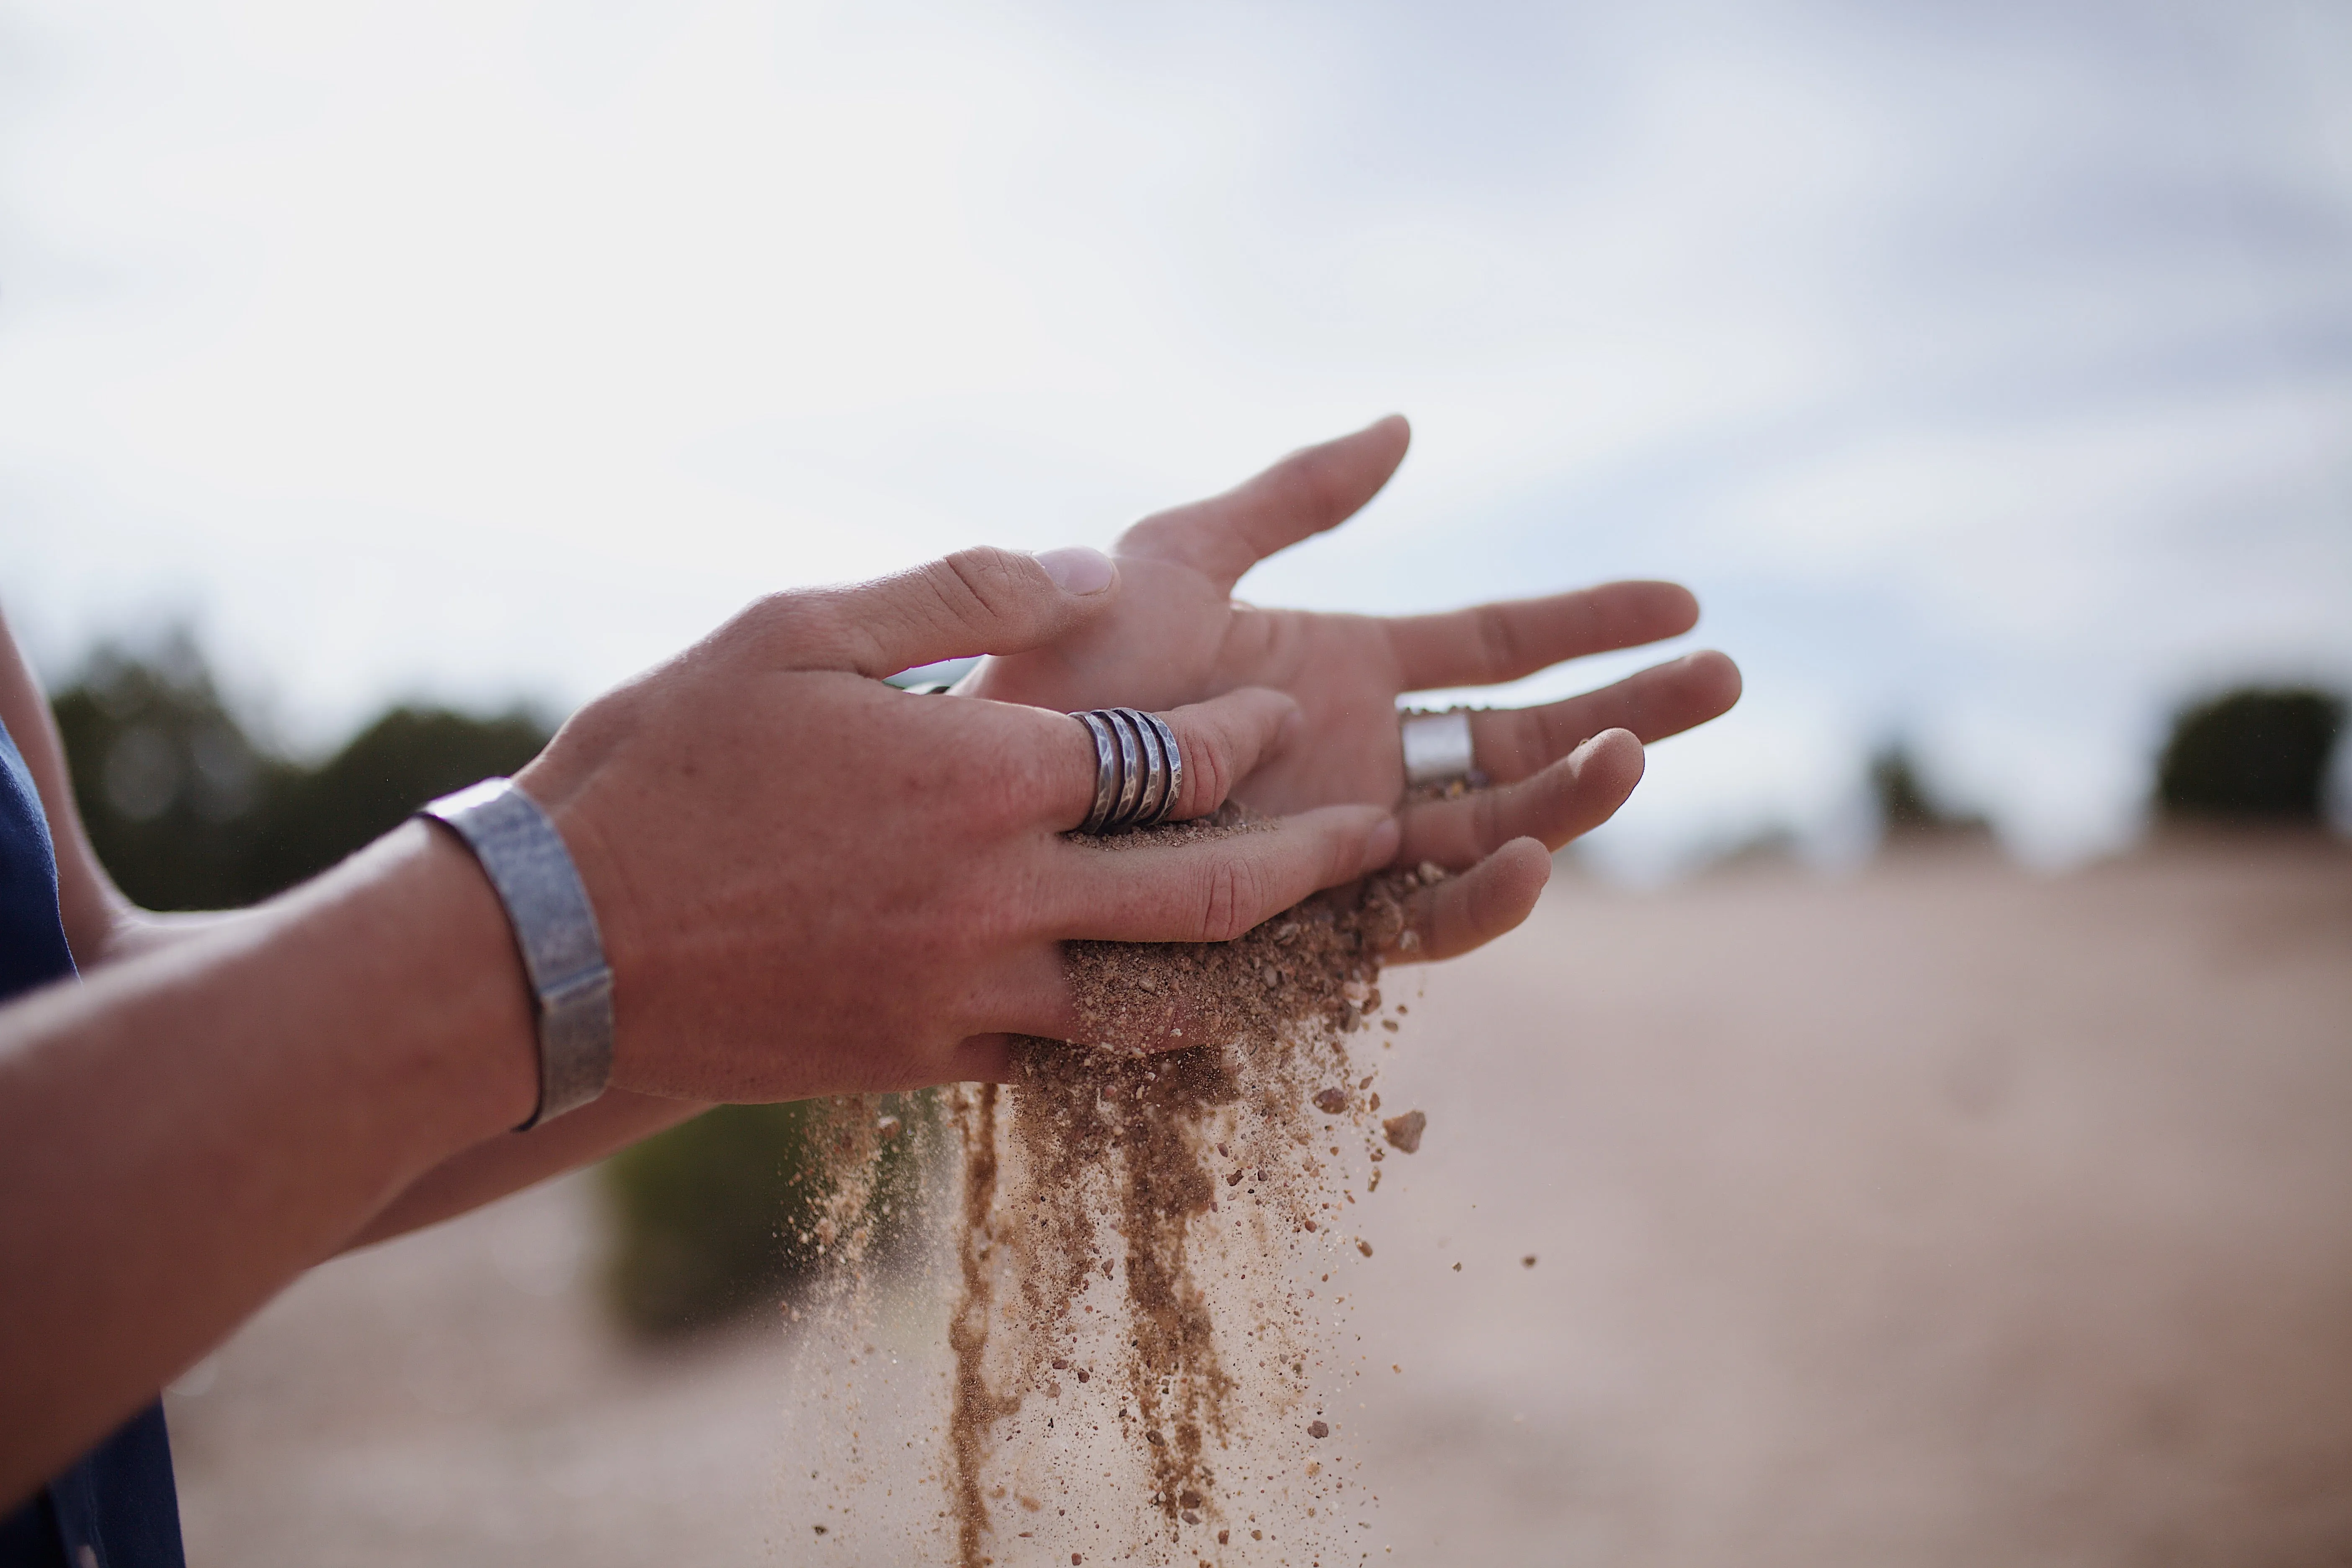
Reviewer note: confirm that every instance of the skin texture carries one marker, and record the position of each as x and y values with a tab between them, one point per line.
808	882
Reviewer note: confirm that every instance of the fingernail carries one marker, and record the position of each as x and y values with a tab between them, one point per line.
1381	847
1076	569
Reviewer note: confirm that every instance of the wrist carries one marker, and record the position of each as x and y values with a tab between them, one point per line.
530	865
577	803
442	957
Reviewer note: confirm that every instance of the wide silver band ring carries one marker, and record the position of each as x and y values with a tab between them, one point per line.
1437	749
1138	770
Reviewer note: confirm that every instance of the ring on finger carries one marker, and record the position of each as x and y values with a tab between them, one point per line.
1153	798
1437	749
1107	774
1138	770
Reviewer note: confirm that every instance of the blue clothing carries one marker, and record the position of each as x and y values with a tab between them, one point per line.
117	1507
33	950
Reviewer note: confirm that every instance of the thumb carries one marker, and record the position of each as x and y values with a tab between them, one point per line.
977	601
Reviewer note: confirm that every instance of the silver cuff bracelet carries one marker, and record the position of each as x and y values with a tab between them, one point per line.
555	930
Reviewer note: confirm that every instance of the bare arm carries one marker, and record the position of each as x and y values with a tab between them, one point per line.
510	1162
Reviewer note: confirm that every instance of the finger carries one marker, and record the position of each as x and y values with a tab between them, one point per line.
1313	488
1027	994
1213	890
973	602
1664	699
1221	742
1037	996
1488	644
981	1059
1467	911
1565	801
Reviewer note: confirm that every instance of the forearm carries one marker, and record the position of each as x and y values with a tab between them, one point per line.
186	1131
509	1161
501	1163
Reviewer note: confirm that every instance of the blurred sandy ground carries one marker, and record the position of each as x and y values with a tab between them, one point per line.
1943	1215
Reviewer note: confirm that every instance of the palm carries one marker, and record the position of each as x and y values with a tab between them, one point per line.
1176	635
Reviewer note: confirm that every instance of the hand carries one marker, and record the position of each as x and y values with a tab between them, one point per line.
810	882
1177	635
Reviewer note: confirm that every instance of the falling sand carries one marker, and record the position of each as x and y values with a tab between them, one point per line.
1137	1238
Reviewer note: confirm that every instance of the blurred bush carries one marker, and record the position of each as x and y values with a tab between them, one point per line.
2254	755
406	758
1907	809
735	1209
188	811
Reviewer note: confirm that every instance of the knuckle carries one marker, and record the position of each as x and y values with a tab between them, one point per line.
1343	851
1500	643
1208	770
1486	820
980	584
957	587
778	613
1556	730
804	623
1230	900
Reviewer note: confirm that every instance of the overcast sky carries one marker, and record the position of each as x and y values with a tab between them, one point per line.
1987	367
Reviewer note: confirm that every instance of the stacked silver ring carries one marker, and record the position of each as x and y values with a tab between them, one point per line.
1138	771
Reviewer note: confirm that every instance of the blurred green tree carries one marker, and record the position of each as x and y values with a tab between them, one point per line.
1906	808
175	793
734	1209
708	1216
188	811
2253	755
403	759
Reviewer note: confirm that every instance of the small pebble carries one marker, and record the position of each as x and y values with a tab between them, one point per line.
1404	1131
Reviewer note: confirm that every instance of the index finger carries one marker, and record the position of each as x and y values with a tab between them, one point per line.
1311	490
1488	644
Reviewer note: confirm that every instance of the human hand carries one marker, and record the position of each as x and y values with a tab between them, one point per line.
1177	635
810	882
